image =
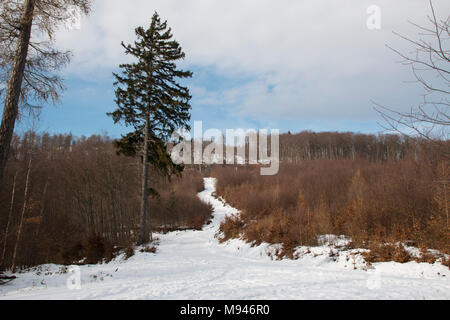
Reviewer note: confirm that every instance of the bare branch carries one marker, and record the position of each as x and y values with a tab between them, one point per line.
430	119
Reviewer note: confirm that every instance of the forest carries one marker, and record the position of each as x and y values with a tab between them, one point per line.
76	199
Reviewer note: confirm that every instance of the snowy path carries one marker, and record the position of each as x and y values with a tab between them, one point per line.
193	265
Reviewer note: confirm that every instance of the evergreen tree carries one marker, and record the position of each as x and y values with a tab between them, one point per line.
150	99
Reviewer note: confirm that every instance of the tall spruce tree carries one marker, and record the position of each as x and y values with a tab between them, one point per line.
150	99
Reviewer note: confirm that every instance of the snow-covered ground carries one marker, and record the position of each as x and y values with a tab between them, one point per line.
193	265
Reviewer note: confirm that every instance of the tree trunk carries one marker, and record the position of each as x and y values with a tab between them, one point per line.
11	108
42	209
22	216
444	176
144	233
9	218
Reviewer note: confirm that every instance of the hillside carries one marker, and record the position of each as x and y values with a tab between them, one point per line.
193	265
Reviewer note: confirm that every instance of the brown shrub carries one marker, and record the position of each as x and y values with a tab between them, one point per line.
446	262
231	227
400	254
425	256
149	249
98	249
129	252
197	222
73	254
379	252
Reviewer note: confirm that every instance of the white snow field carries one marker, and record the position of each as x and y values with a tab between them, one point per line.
193	265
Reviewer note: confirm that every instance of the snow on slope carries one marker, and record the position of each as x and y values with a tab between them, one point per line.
193	265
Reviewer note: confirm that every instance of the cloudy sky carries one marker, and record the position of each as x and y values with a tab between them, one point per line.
286	64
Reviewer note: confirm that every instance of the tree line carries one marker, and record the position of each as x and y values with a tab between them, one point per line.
307	145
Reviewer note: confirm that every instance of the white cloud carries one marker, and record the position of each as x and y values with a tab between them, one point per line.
310	58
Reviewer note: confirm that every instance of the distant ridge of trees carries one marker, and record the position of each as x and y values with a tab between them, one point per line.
308	145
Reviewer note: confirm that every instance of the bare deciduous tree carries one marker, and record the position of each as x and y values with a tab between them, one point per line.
28	59
13	193
430	65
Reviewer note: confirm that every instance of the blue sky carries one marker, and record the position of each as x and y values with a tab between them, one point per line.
289	65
